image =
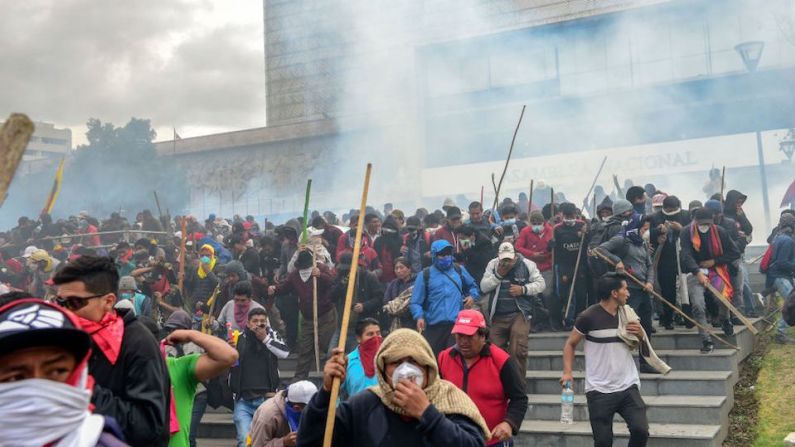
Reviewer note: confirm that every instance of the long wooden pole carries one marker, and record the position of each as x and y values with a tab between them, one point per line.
508	160
666	302
182	242
314	312
346	309
530	200
726	302
14	137
593	184
576	270
304	236
722	184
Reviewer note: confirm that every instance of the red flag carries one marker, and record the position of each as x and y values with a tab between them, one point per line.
789	196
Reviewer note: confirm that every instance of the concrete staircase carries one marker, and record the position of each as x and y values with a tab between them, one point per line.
688	407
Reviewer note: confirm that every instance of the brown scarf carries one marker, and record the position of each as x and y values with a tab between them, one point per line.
445	396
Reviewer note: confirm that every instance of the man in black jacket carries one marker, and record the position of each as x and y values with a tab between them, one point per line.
733	208
665	229
132	383
368	297
256	375
707	250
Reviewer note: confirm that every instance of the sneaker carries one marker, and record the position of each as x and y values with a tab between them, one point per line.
728	328
645	368
707	347
784	339
653	330
669	327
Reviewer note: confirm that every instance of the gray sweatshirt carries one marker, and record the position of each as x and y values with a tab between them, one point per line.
636	258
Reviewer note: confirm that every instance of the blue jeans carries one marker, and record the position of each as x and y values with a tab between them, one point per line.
784	287
244	413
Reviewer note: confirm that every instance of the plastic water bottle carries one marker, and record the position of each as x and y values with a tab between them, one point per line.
567	405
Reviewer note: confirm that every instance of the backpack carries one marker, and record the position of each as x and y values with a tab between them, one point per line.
764	264
788	310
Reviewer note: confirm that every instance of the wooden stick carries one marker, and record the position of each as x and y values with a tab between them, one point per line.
182	242
481	196
666	302
530	199
14	137
576	269
508	160
346	309
618	187
595	179
726	302
314	312
722	184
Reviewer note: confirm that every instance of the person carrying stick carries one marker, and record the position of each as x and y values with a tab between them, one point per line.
567	243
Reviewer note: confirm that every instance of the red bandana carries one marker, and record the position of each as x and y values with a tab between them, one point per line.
107	334
367	351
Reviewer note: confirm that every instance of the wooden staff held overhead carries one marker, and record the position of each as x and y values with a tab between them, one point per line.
346	309
508	160
664	301
14	137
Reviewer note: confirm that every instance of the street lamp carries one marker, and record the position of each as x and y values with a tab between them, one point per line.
751	52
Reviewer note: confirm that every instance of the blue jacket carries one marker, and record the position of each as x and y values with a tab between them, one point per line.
782	260
445	298
355	380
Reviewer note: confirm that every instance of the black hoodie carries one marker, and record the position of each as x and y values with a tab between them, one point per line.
730	210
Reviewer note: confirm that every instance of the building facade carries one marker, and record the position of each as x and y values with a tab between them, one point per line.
430	91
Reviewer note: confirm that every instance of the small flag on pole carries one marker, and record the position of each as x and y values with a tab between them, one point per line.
56	189
176	135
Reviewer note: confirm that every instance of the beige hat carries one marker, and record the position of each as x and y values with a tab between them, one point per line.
506	251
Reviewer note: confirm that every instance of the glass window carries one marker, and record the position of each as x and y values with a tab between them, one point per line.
520	60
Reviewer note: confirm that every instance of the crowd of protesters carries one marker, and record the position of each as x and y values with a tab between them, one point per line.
134	346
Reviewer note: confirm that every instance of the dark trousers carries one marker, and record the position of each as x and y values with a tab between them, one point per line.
666	275
439	336
628	403
288	310
199	406
641	302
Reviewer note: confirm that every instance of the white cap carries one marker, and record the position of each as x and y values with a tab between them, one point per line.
448	203
300	392
506	251
29	251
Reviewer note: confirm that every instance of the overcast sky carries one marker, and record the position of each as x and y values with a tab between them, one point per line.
196	65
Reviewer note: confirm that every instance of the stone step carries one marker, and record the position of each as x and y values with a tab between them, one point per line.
677	339
217	426
695	383
678	360
677	409
578	434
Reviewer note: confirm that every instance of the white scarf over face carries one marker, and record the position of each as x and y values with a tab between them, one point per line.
36	412
305	274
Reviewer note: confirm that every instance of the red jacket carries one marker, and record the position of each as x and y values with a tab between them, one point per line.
446	233
304	290
493	383
531	244
346	240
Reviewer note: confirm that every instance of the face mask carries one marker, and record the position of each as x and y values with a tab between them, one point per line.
444	262
703	228
606	218
538	228
466	244
305	274
509	221
646	236
640	207
126	296
205	259
569	222
408	371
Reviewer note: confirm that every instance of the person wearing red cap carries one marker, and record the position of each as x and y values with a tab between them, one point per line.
489	375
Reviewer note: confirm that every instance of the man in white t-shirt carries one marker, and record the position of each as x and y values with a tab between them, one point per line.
612	384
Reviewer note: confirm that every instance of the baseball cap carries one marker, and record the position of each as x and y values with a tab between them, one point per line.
468	322
506	251
33	322
29	250
300	392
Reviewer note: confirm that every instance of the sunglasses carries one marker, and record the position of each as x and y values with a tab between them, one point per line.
75	302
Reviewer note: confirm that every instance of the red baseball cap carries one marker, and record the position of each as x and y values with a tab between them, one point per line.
468	322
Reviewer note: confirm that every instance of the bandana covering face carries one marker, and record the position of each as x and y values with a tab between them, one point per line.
37	412
367	351
107	334
293	417
241	313
446	397
631	230
305	274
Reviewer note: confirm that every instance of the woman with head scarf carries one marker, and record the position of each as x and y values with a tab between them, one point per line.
410	406
201	281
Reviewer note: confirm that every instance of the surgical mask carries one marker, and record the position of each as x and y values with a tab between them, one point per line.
444	262
205	259
410	371
126	296
569	222
509	221
606	218
538	228
466	243
703	228
646	236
